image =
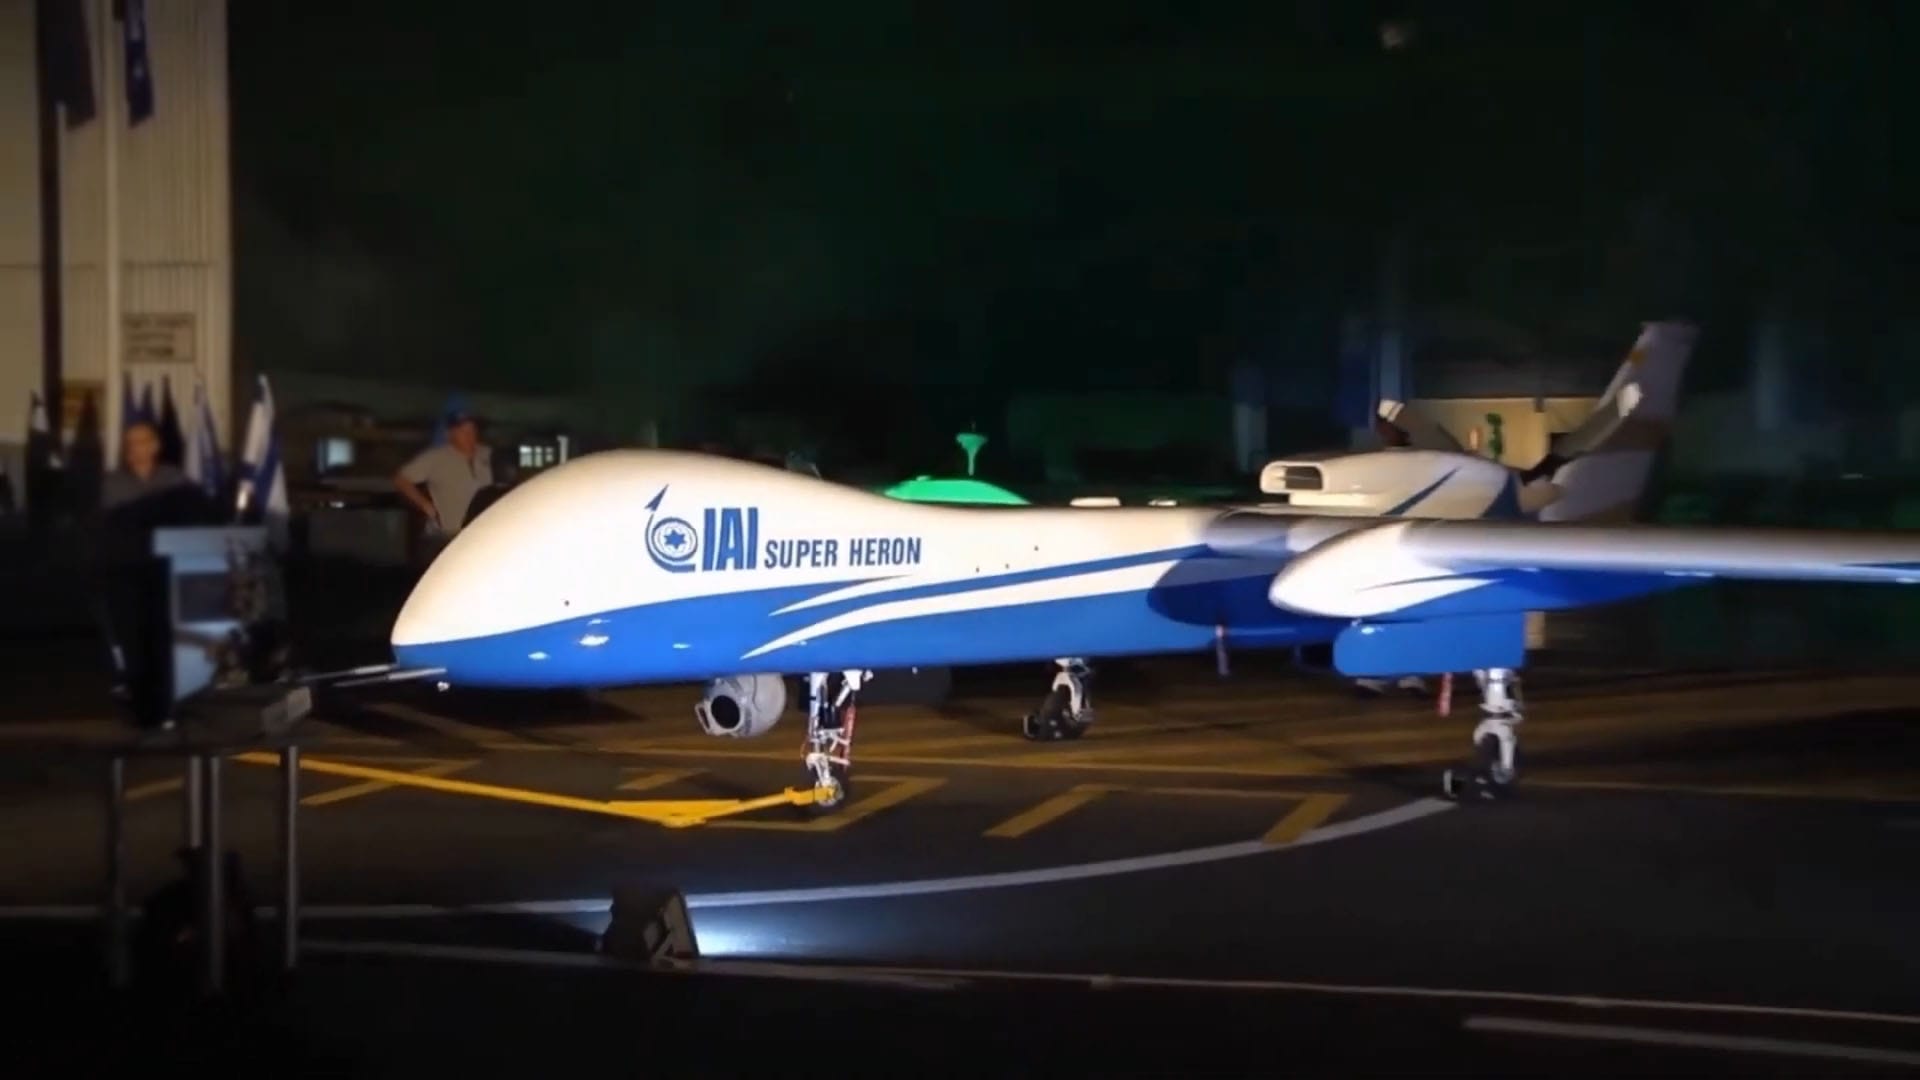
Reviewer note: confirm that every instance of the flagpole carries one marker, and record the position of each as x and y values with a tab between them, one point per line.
112	105
52	269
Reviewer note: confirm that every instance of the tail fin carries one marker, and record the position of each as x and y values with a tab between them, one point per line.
1401	424
1599	471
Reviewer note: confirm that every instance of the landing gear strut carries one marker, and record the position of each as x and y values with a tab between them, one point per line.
1496	743
831	704
1067	712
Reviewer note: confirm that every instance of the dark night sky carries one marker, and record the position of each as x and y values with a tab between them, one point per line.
641	198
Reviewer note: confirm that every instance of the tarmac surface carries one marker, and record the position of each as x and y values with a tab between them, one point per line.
1706	841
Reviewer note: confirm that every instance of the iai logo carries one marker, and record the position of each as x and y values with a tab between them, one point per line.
672	542
724	540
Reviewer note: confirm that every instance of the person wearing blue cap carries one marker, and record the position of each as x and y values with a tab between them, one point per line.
451	474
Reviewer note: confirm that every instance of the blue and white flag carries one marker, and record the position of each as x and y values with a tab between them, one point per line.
139	70
262	491
43	449
204	464
173	438
129	402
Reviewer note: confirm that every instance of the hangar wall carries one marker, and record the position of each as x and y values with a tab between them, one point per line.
174	221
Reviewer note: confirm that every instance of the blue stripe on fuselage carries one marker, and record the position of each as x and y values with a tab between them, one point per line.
1506	505
707	636
1520	589
1415	499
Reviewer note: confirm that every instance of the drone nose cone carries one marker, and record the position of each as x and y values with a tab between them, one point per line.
432	610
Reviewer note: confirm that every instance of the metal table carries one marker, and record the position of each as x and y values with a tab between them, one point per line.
216	725
203	821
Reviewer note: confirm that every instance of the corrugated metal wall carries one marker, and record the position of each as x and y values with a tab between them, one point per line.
19	239
175	220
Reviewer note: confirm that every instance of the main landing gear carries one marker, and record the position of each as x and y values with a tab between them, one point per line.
1067	712
1496	745
831	704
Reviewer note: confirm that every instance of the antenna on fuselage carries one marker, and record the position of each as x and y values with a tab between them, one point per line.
970	442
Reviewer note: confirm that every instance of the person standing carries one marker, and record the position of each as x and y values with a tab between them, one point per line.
132	586
451	475
142	474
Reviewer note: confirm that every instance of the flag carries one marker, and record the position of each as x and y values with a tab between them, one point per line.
43	449
204	465
172	445
262	491
129	404
66	51
139	70
43	461
86	458
146	414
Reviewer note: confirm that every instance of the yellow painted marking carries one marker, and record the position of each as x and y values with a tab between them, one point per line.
152	788
682	813
1312	812
1276	766
649	781
381	760
1314	809
621	733
985	740
1227	793
1051	810
523	747
370	787
669	813
491	738
1103	734
356	739
900	789
1227	746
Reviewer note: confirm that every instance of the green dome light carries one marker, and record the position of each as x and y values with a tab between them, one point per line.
955	489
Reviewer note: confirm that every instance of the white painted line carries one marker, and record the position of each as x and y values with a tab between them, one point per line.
521	957
1047	875
52	912
1698	1040
332	912
949	978
1578	1001
572	960
591	906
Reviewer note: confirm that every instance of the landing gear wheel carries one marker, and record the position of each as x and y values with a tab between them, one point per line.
831	793
1474	784
1054	722
1067	712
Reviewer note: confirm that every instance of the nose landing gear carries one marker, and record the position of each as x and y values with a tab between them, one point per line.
1067	712
832	702
1496	742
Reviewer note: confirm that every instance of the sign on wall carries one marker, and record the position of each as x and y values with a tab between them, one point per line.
158	338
